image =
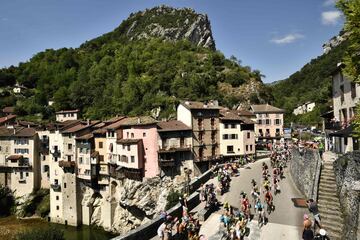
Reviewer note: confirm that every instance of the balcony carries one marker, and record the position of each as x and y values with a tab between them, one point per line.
67	164
175	148
84	176
56	187
333	125
166	163
103	181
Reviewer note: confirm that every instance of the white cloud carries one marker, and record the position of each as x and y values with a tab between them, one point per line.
292	37
330	17
329	3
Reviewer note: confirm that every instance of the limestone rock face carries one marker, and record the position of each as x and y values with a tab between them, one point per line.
170	24
135	202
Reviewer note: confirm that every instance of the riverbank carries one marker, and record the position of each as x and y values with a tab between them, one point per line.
10	226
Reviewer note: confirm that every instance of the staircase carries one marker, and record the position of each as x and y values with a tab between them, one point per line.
328	201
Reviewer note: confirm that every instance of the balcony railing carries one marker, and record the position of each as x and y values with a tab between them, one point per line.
56	187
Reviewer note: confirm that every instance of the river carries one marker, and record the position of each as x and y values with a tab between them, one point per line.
9	226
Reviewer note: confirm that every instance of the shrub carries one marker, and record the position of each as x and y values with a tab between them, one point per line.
7	201
172	199
50	233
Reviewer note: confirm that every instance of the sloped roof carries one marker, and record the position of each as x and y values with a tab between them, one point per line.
226	114
138	121
85	136
128	141
199	105
263	108
17	132
7	119
75	128
8	109
172	125
68	111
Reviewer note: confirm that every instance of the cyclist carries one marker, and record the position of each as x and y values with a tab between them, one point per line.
261	210
245	205
269	200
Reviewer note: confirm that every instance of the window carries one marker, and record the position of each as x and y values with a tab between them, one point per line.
233	125
111	134
21	141
123	147
69	158
144	134
57	197
230	149
226	125
101	158
64	185
128	147
225	136
259	115
234	136
57	208
248	134
80	160
21	175
127	134
132	159
266	115
43	158
260	122
213	150
132	135
101	145
353	90
267	122
69	146
251	147
27	174
21	151
277	121
247	147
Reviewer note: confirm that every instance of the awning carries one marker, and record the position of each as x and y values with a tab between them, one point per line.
346	132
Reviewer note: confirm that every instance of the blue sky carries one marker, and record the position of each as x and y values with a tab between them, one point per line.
276	37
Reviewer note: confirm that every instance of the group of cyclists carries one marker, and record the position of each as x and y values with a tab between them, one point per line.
261	196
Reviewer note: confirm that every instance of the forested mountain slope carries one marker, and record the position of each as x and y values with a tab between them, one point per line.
147	62
312	83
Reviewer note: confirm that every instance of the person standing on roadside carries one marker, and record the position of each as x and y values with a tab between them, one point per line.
313	208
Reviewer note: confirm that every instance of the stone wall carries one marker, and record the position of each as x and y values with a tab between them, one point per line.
305	168
347	173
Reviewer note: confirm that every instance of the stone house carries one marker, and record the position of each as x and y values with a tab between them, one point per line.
19	160
65	115
203	119
174	147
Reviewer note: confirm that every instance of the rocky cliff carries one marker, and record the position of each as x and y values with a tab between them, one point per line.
347	172
170	24
128	203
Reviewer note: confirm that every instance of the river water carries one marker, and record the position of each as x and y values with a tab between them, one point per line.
9	226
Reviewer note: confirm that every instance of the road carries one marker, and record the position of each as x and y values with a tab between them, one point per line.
284	224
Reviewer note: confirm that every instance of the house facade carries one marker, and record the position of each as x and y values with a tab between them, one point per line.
203	119
338	123
269	122
65	115
237	134
19	160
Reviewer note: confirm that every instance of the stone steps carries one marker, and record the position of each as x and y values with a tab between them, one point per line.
328	203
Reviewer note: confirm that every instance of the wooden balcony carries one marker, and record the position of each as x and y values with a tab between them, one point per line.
67	164
181	148
166	163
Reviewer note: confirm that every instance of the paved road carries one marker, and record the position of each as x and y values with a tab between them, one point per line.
285	223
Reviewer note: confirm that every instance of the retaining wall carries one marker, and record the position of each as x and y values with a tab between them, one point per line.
347	173
305	167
